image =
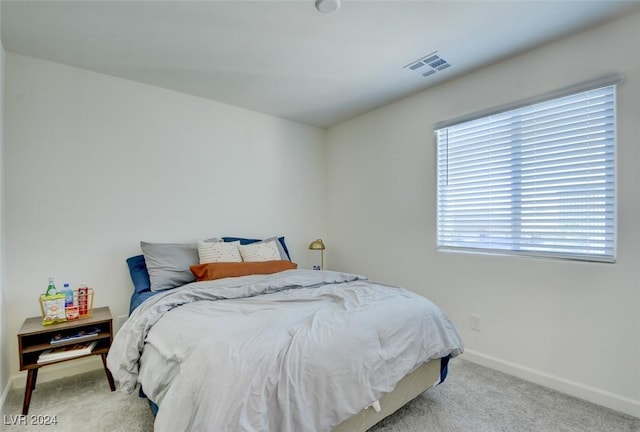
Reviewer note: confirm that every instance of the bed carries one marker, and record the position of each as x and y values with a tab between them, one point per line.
290	350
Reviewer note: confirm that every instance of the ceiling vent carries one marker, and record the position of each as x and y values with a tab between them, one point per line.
428	65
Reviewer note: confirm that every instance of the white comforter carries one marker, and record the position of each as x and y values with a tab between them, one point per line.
291	352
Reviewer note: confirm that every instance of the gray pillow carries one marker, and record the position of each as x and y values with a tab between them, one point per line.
283	254
168	263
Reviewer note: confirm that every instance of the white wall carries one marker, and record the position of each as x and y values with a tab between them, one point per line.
570	325
4	355
94	164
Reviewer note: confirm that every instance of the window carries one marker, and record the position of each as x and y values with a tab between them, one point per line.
535	180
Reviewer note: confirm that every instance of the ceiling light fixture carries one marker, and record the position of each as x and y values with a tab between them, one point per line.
327	6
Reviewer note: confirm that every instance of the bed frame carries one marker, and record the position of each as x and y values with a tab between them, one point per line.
409	387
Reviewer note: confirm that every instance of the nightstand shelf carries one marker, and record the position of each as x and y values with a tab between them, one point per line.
34	339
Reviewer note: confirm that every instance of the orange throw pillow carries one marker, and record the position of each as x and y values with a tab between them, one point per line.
219	270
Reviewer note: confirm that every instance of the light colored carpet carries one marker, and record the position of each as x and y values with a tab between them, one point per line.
473	399
477	399
81	403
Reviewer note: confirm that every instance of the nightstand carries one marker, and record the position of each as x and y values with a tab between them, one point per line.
34	338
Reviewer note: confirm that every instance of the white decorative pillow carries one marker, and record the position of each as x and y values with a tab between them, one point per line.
260	251
219	252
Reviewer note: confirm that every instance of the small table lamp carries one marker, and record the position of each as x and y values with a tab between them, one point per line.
318	245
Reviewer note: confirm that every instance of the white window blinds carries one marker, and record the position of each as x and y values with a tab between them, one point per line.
536	180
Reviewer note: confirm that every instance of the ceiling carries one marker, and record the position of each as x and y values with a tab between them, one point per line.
284	57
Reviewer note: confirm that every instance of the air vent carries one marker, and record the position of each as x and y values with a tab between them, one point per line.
428	65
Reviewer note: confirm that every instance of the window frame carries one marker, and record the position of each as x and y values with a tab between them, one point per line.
515	248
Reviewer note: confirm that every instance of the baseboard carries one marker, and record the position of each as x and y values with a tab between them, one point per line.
581	391
58	371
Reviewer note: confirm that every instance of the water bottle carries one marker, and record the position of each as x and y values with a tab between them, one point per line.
51	289
68	295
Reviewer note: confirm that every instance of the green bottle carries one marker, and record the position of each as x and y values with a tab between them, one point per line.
51	289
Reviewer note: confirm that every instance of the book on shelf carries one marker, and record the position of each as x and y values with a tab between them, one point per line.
80	334
67	351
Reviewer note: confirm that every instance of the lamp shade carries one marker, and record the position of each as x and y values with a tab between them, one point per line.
317	245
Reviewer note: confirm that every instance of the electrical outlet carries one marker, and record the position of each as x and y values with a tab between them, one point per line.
475	322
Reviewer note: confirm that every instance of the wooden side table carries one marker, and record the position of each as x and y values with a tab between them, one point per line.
34	338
